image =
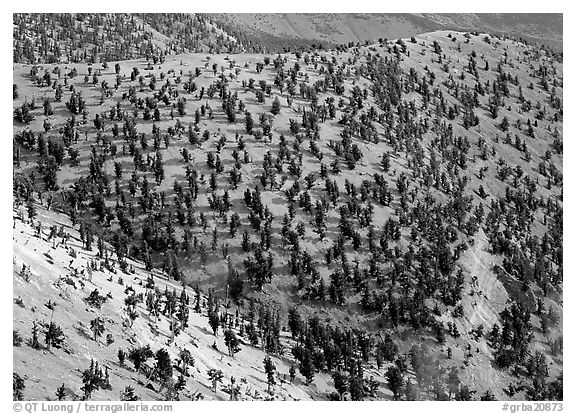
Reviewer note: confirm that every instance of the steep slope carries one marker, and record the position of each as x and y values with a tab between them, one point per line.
331	28
387	191
104	37
58	273
539	28
336	28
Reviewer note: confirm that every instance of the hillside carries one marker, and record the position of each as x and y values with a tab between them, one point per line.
389	216
337	28
95	38
537	28
58	273
332	28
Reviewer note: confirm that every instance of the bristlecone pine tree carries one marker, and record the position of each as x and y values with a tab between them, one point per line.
128	394
97	327
215	376
61	392
54	337
270	370
18	387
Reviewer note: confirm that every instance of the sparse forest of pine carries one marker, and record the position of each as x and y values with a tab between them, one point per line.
378	221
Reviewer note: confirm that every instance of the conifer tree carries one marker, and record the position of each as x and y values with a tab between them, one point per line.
163	366
128	394
249	122
186	360
215	376
269	369
275	106
34	342
340	383
307	366
18	387
395	380
61	392
54	337
231	342
97	327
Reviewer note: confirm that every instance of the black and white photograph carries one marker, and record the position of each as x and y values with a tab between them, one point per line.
287	207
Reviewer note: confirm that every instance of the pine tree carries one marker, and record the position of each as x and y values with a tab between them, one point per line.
61	392
93	379
128	394
197	299
336	289
158	168
307	366
504	124
121	357
437	48
163	366
270	369
292	373
31	209
34	342
16	338
215	376
356	387
54	336
275	106
487	396
186	359
48	111
259	268
320	221
181	106
97	327
386	162
231	342
214	319
395	381
340	383
18	387
249	122
294	322
180	385
139	356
